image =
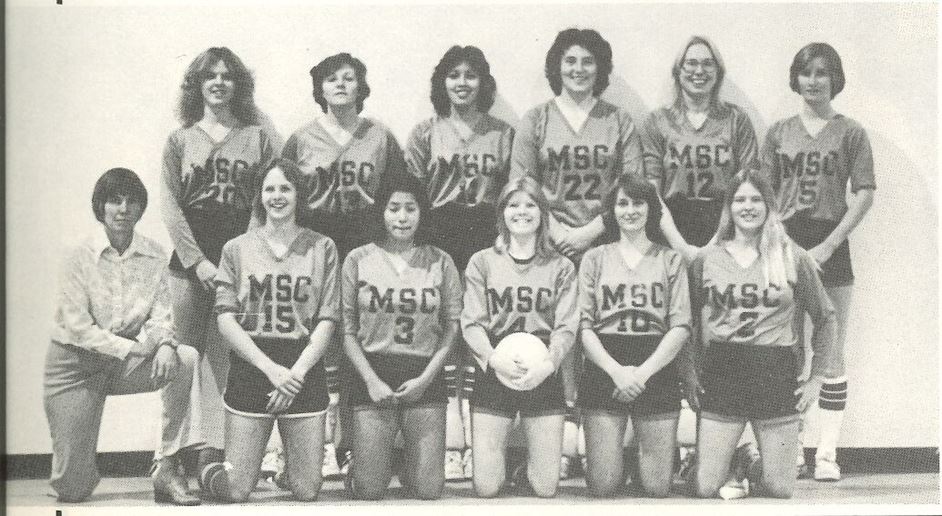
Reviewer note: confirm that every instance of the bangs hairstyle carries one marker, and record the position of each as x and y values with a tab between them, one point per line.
775	247
294	176
589	40
190	107
398	181
636	187
717	107
478	63
528	185
832	61
328	66
117	181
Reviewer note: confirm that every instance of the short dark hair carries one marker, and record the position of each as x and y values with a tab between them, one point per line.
587	39
636	187
117	181
331	64
832	61
398	181
190	107
477	62
294	176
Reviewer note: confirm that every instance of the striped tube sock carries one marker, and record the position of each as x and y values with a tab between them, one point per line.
451	380
832	402
333	378
467	382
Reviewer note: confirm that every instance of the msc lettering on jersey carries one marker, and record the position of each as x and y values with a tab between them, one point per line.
283	289
520	299
350	173
808	163
746	295
220	174
468	165
699	156
408	301
640	295
581	157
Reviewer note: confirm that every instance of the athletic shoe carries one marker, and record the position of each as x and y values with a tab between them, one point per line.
688	461
826	470
734	489
747	463
454	469
330	470
273	463
345	460
467	465
565	464
519	479
215	479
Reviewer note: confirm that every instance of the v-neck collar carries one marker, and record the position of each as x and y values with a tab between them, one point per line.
388	258
475	129
821	132
215	142
288	250
736	260
621	256
588	114
341	147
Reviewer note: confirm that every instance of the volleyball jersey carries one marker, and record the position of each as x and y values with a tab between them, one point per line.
208	188
576	169
275	297
734	306
810	174
649	299
399	313
343	178
539	297
692	167
464	171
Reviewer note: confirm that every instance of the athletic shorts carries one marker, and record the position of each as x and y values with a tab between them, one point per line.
395	370
661	395
347	230
492	397
247	388
750	382
461	231
696	219
808	232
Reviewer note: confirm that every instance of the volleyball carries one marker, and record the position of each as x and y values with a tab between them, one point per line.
525	348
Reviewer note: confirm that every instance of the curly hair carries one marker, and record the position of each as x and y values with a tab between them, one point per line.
331	64
587	39
190	106
476	61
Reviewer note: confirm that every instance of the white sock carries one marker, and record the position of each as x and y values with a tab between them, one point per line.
832	402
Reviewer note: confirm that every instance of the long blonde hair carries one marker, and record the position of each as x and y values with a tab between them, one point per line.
775	246
529	186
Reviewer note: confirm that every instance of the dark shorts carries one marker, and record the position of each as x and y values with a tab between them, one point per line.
461	231
750	382
492	397
347	230
696	220
661	394
808	232
211	228
394	370
247	388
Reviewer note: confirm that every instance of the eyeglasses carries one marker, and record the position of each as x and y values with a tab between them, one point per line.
690	65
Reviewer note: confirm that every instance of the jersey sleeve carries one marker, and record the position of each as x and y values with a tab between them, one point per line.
859	159
184	242
652	145
744	140
329	309
350	277
566	320
451	290
227	281
395	162
678	312
418	151
474	312
631	157
525	156
688	359
290	150
812	298
589	270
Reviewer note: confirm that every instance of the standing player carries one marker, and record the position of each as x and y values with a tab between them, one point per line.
209	166
462	154
811	158
745	292
342	156
519	285
278	300
575	146
401	305
635	307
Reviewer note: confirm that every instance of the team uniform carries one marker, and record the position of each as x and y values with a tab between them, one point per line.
576	169
749	367
810	177
342	179
536	296
463	177
630	310
278	302
399	318
692	167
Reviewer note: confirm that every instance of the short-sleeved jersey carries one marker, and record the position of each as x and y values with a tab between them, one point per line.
402	313
735	306
539	297
649	299
576	169
810	174
343	178
464	171
275	297
209	187
692	167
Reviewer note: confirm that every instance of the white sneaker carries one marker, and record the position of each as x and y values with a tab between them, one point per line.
734	489
826	470
468	465
273	463
565	464
329	467
454	469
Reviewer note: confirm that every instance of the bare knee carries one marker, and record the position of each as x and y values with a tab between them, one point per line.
775	489
369	491
429	491
601	486
307	491
75	493
487	488
543	486
239	494
657	490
